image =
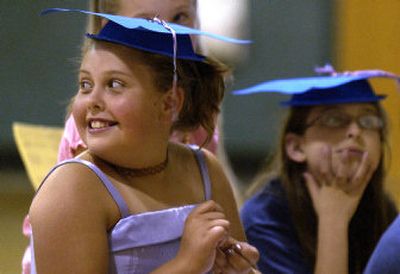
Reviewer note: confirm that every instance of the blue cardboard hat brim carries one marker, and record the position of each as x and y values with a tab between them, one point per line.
131	23
323	90
356	91
298	85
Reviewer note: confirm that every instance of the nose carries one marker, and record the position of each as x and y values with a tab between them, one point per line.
353	130
95	100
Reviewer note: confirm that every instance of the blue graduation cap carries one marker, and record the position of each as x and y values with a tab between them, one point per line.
155	42
155	36
349	87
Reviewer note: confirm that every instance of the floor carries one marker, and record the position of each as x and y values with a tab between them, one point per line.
15	197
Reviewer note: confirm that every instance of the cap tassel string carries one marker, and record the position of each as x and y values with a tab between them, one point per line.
175	49
328	69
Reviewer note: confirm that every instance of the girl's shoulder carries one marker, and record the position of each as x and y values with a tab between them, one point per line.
72	211
68	176
69	191
220	188
195	156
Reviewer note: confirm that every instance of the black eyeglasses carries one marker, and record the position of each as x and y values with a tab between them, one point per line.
336	119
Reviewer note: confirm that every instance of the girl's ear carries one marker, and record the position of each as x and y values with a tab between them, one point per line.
294	149
173	103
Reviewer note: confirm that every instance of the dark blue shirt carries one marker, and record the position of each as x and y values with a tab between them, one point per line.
386	256
269	228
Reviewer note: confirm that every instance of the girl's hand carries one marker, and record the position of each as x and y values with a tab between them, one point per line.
205	228
235	257
336	190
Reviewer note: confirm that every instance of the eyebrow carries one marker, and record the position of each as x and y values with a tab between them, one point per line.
181	8
145	15
326	109
110	72
367	108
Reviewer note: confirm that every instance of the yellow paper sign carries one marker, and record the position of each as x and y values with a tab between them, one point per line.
38	147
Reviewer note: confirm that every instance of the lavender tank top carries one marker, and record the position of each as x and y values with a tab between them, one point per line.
142	242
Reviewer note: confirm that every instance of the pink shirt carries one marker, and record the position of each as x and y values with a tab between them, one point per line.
70	141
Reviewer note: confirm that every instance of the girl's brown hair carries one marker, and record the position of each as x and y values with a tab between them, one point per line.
94	25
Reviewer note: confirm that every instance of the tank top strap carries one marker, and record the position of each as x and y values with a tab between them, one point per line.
201	161
123	208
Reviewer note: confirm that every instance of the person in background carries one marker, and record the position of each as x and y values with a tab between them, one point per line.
321	205
134	202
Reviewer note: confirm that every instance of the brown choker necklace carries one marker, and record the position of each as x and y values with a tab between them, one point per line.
141	172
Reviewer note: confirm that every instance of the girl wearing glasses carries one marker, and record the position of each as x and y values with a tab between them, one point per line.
324	208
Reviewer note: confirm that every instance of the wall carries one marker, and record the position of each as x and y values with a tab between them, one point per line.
37	72
37	63
290	39
368	37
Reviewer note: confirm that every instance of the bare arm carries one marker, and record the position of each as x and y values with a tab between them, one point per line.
234	261
69	217
332	249
222	193
335	195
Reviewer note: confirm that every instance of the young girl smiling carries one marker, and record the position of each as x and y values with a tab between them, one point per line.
134	202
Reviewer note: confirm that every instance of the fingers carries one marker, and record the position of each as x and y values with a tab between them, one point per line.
362	175
206	232
220	262
205	228
216	234
248	253
323	172
237	257
343	171
340	170
211	214
311	185
207	207
353	175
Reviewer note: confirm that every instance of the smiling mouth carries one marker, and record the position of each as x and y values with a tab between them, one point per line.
98	124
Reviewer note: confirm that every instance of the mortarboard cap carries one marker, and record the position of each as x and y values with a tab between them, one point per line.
349	87
149	35
142	39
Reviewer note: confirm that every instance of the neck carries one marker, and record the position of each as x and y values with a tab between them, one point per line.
138	172
141	172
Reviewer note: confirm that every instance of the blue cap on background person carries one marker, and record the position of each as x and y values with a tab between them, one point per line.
154	35
338	88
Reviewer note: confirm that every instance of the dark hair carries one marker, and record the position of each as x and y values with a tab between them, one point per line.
374	213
